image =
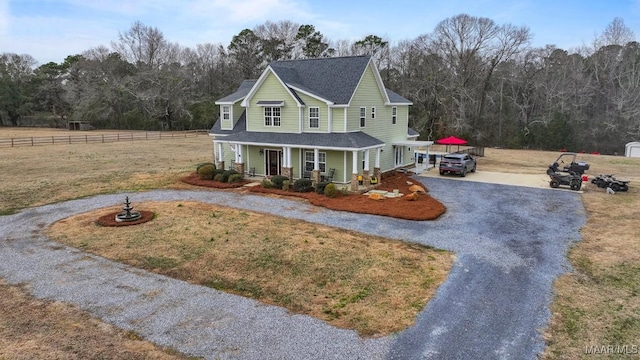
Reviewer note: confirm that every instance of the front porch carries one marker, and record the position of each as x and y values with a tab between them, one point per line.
350	167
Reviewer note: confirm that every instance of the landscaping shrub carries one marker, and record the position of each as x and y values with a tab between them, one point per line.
203	164
267	184
320	187
218	178
226	174
286	185
217	171
278	180
303	185
235	178
330	190
205	172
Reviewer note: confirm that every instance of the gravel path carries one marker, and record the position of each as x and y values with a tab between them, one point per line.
511	243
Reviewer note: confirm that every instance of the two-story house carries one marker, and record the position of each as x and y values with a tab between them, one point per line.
316	118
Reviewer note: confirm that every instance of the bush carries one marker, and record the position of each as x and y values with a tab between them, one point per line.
217	171
205	172
267	184
320	187
218	178
203	164
303	185
286	185
330	190
226	174
235	178
278	180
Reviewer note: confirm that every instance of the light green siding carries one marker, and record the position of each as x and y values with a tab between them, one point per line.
337	121
272	90
323	110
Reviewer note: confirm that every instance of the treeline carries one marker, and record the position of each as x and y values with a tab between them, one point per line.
469	77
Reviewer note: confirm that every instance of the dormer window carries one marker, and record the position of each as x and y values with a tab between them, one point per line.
226	112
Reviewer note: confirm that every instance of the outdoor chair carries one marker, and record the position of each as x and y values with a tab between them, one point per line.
306	175
329	176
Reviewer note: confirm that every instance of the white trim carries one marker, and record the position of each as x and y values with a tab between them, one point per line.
276	103
373	113
326	101
261	79
317	117
329	118
394	115
303	146
361	116
376	75
345	118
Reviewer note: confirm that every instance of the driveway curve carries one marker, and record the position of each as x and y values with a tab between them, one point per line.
510	244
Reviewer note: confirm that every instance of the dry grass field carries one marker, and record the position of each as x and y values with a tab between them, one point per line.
597	304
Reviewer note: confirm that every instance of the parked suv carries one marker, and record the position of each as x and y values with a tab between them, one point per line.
458	164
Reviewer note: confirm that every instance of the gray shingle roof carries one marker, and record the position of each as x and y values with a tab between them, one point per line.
334	79
351	141
242	91
411	132
241	125
397	99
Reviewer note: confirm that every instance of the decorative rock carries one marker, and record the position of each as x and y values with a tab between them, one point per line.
411	197
418	189
376	196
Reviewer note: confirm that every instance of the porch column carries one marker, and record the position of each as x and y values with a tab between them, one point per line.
220	159
316	166
238	164
354	171
287	168
365	172
376	167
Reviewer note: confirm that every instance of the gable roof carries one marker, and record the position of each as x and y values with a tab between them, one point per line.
241	125
242	91
334	79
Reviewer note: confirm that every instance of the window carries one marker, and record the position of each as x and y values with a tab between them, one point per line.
314	117
226	112
373	112
363	116
394	115
271	116
308	161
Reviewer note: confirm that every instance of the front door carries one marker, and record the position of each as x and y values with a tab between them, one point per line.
273	159
399	155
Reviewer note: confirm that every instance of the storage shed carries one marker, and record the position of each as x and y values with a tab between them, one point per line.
79	125
632	149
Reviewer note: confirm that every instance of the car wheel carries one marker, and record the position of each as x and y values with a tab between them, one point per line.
616	187
441	172
463	173
474	168
624	187
554	184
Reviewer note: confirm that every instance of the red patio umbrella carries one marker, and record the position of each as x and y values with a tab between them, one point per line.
451	140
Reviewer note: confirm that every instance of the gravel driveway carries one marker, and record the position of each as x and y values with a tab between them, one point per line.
510	242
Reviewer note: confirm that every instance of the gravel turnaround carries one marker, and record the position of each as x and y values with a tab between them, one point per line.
510	244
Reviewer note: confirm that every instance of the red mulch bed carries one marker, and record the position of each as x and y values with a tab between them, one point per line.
424	208
110	219
193	179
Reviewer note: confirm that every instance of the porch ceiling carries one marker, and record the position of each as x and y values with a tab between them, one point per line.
412	143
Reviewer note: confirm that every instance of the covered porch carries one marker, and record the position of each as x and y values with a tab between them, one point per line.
353	165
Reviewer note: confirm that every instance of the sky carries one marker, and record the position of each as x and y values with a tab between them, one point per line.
50	30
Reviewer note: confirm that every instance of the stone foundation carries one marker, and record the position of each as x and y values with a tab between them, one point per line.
288	172
315	176
366	179
378	174
220	165
239	167
354	182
